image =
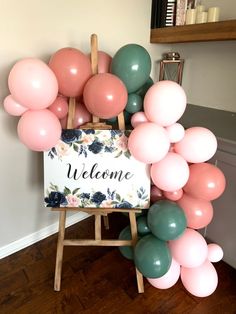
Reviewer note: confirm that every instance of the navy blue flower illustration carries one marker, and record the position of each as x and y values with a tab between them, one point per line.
69	136
95	147
98	198
85	195
55	199
124	204
89	131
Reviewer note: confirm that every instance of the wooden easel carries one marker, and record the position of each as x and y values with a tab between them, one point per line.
97	212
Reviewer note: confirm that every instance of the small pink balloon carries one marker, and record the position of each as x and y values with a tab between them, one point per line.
190	249
171	173
39	130
198	212
173	196
200	281
104	62
198	145
164	103
169	279
82	115
156	194
148	142
138	118
33	84
215	253
13	107
59	107
175	132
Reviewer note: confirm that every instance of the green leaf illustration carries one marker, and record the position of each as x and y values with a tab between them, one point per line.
75	191
76	148
66	191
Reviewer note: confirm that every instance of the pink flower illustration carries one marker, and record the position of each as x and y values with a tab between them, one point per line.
73	200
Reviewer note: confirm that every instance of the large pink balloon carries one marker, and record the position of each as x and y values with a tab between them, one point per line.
13	107
104	62
201	281
82	115
105	95
59	107
198	145
148	142
190	249
33	84
175	132
164	103
72	69
215	253
206	181
198	212
169	279
39	130
171	173
173	196
138	118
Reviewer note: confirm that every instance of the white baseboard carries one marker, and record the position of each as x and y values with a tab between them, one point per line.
39	235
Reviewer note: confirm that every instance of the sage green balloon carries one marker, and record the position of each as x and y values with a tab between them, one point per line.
134	104
152	256
142	225
132	64
166	220
126	251
143	90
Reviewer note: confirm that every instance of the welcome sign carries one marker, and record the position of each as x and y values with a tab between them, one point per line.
94	169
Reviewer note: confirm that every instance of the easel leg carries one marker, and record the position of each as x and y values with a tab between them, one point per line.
134	233
98	234
106	222
60	246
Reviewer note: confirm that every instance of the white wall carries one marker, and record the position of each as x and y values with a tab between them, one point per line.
38	28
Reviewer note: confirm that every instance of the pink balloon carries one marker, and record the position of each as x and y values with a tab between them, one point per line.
148	142
59	107
39	130
104	62
105	95
33	84
171	173
206	181
164	103
156	194
198	145
201	281
215	253
13	107
175	132
138	118
72	69
169	279
173	196
82	115
198	212
190	249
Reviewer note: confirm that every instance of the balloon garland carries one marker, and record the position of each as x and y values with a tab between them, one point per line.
184	184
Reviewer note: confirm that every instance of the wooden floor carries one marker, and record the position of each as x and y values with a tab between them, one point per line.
97	280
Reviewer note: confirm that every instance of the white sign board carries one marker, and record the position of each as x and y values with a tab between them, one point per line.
94	169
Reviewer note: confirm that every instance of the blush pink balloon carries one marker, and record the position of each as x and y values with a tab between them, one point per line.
138	118
171	173
175	132
72	69
190	249
104	62
59	107
164	103
33	84
173	196
13	107
198	212
105	95
198	145
39	130
148	142
169	279
200	281
156	194
215	253
206	181
82	115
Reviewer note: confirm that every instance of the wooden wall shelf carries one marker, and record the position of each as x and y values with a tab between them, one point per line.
223	30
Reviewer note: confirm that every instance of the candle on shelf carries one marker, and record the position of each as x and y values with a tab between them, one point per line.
201	17
190	16
213	14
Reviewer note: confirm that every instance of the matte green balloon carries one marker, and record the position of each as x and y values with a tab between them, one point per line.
166	220
126	251
143	90
142	225
152	256
132	64
134	104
